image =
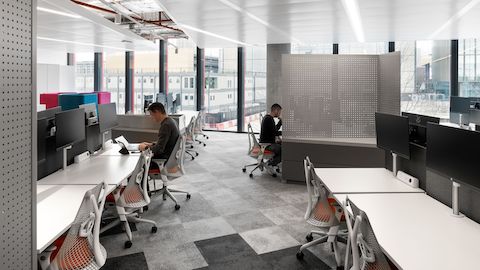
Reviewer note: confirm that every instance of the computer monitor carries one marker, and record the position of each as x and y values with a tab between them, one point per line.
393	134
70	127
107	116
460	110
48	113
454	153
418	127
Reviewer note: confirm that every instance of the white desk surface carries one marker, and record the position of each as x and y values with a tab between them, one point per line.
418	232
57	206
111	169
362	180
112	150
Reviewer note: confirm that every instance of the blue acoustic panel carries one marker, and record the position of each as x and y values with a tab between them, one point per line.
72	101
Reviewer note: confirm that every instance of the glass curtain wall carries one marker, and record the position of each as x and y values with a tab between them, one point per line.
255	86
312	48
114	78
146	79
363	48
425	77
469	67
182	73
221	89
84	72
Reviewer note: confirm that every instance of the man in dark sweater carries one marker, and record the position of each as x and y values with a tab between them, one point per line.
270	131
167	134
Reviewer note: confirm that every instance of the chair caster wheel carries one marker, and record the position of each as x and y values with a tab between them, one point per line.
309	237
196	154
193	158
177	207
300	255
145	208
154	229
128	244
244	170
277	170
189	196
251	175
274	175
204	144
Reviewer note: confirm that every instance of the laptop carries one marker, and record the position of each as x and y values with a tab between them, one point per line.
132	147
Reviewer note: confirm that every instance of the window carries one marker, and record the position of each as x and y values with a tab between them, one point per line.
255	86
191	97
425	81
220	78
84	72
312	48
146	69
114	71
363	48
469	67
182	70
151	80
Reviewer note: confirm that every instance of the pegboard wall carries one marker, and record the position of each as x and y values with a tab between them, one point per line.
16	193
335	96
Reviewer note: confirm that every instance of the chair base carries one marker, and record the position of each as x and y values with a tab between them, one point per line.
167	192
262	165
333	236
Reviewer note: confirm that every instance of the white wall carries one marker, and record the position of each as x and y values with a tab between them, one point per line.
53	78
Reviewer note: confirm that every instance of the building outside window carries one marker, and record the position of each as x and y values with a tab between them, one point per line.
182	71
425	87
84	72
323	48
469	67
363	48
114	78
255	86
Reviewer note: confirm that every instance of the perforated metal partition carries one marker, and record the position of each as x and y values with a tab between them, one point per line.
336	96
16	103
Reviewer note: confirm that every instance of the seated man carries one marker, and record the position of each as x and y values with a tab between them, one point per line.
269	133
167	134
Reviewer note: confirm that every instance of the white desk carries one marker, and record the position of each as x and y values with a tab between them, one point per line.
417	232
57	206
362	180
112	150
111	169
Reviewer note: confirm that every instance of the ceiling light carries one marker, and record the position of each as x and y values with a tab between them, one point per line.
213	34
455	17
58	12
255	18
353	12
82	43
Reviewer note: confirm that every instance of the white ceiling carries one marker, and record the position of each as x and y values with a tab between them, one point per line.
221	23
88	32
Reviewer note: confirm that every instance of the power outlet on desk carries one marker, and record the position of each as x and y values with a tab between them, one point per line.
408	179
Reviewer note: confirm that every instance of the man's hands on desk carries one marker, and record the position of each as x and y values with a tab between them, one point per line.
143	146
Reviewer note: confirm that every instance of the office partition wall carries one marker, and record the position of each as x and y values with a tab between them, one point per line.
336	96
18	122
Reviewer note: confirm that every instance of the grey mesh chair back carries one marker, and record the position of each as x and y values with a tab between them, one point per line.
190	130
366	251
320	211
198	129
135	194
174	166
81	248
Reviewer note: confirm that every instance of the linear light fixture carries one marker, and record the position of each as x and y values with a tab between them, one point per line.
83	43
455	17
58	12
353	12
214	35
256	18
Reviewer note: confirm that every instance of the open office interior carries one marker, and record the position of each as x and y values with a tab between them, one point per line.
239	134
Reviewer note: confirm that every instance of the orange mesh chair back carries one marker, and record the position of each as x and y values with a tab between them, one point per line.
255	149
321	209
81	248
365	249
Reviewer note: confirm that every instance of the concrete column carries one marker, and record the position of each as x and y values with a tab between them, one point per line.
274	72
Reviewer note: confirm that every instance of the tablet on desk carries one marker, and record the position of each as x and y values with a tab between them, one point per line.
131	147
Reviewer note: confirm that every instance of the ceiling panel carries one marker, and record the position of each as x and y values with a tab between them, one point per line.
320	21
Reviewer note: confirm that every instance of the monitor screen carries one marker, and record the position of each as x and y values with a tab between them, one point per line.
107	116
459	104
393	133
454	153
70	127
48	113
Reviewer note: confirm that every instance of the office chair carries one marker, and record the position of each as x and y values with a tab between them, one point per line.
322	212
170	169
362	243
198	130
81	248
259	152
133	198
190	139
